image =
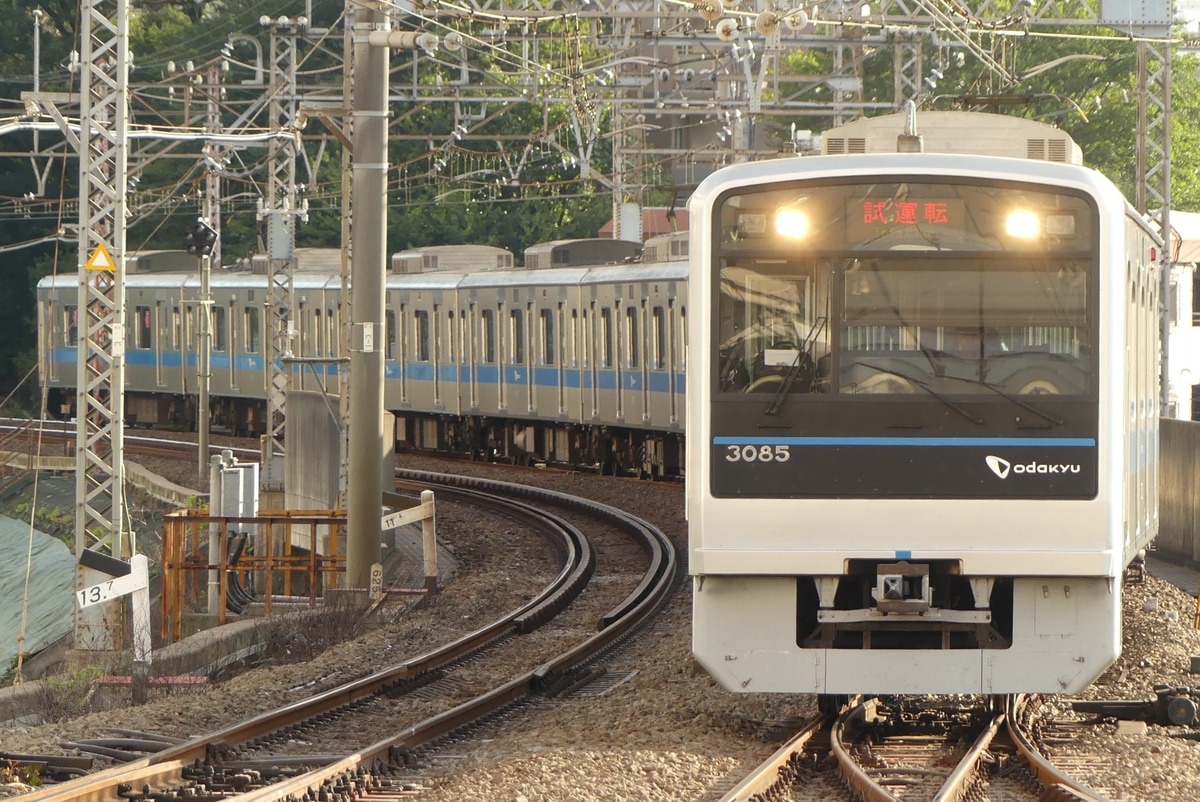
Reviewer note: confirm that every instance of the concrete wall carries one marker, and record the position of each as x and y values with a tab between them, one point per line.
1178	491
314	448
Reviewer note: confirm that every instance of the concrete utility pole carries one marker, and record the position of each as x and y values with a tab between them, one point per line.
368	274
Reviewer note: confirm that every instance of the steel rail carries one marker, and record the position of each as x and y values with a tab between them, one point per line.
1060	787
336	777
771	772
958	784
856	778
165	766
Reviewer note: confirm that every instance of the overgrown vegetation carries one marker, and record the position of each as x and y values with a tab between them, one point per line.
67	696
302	636
13	772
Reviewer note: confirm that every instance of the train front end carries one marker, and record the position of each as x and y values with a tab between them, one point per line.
922	423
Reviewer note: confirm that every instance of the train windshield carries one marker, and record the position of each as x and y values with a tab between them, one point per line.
930	288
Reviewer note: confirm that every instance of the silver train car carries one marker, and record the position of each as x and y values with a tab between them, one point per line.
923	413
577	358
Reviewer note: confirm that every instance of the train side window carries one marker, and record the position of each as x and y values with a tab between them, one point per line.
547	332
330	332
389	319
589	343
190	321
421	332
487	323
71	325
657	338
218	323
683	329
253	331
176	327
318	333
450	337
574	335
517	336
145	332
633	342
606	338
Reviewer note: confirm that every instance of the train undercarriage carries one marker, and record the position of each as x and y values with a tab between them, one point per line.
607	450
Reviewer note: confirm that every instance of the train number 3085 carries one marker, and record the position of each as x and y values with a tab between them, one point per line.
737	453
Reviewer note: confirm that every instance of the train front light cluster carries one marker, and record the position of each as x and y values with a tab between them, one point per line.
1026	224
791	222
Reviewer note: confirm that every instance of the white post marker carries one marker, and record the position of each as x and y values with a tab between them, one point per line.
376	590
137	582
423	511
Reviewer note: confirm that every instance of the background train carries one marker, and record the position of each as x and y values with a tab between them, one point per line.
577	358
923	412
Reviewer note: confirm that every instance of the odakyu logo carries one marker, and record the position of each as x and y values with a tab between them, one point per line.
1002	467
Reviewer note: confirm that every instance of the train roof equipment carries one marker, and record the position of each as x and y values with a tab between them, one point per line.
967	132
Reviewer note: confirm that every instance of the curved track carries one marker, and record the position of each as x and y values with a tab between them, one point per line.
222	762
904	750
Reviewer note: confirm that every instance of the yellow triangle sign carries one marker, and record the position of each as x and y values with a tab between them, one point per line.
100	259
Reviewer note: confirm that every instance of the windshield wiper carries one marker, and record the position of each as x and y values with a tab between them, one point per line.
924	385
1009	396
803	358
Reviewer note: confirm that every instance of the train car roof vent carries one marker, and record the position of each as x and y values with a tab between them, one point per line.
1051	150
851	144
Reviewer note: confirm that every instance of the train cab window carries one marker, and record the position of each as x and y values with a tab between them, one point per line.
389	322
252	330
487	332
770	332
219	331
546	322
633	340
517	337
606	338
421	334
143	328
71	325
658	338
964	326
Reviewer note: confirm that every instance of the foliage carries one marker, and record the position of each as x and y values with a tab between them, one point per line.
12	771
514	180
69	695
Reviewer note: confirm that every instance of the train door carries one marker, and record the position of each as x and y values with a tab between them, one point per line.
391	385
159	326
489	398
235	342
571	367
638	409
219	357
437	359
591	369
608	370
252	336
516	385
462	371
545	361
472	357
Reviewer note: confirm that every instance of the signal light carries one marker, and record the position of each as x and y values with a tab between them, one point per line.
200	239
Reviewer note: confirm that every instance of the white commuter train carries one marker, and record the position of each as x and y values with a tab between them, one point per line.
923	412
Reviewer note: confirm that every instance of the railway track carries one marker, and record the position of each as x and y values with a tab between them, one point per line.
371	731
917	749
